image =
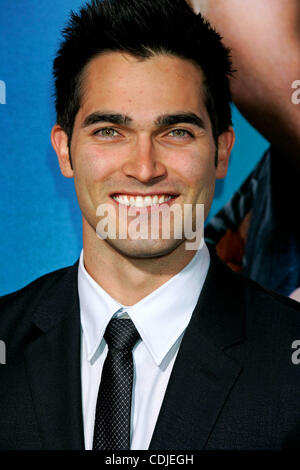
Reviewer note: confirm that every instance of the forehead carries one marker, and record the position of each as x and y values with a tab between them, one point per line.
151	86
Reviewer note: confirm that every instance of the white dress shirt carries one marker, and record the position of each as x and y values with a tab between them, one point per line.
161	319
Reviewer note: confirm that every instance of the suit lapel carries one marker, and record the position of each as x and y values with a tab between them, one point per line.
203	374
53	366
202	377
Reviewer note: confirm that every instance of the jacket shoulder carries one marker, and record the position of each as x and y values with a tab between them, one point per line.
254	293
272	313
263	294
17	306
264	309
34	286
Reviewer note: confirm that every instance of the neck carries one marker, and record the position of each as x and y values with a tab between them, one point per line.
127	279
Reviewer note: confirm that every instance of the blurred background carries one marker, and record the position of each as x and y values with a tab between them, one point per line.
40	222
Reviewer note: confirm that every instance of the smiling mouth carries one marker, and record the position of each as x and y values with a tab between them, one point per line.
143	201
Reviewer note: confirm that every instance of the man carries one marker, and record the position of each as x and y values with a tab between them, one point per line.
145	343
257	232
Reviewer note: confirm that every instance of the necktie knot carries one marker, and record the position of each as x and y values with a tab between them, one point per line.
121	334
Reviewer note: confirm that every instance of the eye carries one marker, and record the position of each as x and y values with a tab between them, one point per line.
180	133
107	133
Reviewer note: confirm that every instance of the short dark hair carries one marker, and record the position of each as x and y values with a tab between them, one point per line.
142	28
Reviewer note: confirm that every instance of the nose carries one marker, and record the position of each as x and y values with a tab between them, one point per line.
144	163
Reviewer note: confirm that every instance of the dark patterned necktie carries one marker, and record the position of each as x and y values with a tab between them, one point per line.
113	410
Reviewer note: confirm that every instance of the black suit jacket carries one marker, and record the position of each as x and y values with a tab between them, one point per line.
233	385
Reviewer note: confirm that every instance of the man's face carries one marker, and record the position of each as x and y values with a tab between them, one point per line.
142	131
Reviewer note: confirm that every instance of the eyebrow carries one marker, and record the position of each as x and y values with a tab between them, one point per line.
114	118
184	117
163	120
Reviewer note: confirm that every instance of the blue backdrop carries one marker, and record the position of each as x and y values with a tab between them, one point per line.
40	218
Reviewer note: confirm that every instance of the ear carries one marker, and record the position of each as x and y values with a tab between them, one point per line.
59	140
225	144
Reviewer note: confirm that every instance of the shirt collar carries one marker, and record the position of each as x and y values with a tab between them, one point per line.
160	317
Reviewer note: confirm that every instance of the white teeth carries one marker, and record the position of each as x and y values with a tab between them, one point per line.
123	200
148	201
140	201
